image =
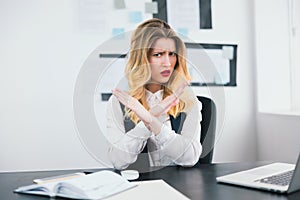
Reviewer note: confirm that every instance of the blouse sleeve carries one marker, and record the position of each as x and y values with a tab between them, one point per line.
183	149
124	147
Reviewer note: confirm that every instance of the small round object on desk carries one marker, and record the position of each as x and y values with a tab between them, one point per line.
130	174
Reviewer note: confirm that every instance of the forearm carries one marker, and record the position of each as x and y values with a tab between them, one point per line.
119	158
124	146
154	125
182	150
186	153
124	150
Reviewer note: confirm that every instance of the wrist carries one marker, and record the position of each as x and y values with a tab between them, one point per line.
148	122
154	126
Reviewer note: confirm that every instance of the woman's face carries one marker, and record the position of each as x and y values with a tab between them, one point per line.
162	60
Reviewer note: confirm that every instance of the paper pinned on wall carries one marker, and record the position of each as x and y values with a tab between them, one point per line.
221	65
209	66
183	31
151	7
135	16
227	52
118	33
183	15
119	4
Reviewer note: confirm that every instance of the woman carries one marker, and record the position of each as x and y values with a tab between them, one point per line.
158	115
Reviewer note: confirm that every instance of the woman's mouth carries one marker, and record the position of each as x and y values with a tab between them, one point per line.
165	73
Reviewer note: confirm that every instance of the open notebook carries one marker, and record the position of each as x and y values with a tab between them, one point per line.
97	185
276	177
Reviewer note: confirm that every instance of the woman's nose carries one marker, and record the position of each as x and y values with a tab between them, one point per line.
166	60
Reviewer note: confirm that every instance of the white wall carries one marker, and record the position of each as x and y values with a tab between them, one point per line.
278	137
41	53
233	23
278	126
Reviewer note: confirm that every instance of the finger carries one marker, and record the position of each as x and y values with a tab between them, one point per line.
180	90
121	94
122	97
169	100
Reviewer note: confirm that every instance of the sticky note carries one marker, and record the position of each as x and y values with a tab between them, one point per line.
151	7
227	52
135	16
119	4
118	32
183	31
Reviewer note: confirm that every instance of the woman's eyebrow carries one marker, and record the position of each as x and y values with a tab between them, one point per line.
162	50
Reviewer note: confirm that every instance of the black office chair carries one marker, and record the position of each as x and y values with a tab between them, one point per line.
207	140
208	129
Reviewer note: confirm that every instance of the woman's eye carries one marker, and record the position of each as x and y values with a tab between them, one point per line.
157	54
172	53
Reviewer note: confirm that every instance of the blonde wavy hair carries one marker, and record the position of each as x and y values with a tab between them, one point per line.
138	71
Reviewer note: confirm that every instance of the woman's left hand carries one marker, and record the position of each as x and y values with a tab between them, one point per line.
170	101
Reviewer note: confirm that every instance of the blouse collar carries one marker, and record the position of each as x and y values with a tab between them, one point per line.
154	98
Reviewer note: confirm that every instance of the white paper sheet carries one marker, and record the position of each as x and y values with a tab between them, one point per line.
183	15
208	66
150	190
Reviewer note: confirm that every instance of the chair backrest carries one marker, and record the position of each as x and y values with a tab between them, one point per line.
208	129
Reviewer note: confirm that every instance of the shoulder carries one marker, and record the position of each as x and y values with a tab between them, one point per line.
194	108
198	104
194	104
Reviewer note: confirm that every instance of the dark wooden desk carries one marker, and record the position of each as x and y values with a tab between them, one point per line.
195	183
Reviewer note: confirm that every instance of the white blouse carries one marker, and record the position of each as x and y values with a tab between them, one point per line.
166	148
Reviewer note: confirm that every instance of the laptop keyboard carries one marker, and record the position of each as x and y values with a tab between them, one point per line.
279	179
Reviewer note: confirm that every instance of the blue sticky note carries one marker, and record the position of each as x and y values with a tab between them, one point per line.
183	31
118	32
135	16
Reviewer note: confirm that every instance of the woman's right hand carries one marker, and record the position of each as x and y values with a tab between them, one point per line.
134	105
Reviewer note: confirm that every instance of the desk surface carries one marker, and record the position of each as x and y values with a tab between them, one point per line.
195	183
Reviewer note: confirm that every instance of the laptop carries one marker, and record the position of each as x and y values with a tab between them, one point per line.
275	177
